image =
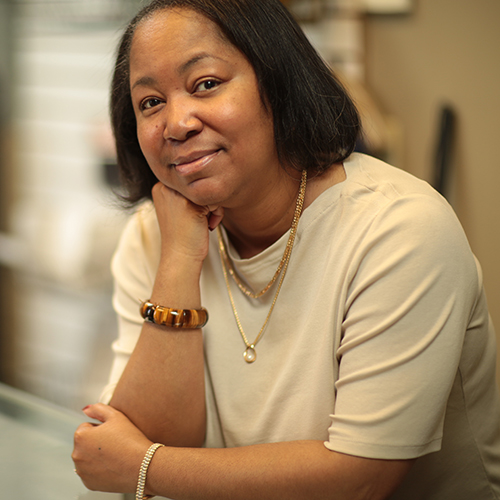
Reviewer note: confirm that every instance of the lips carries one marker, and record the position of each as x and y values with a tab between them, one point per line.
193	163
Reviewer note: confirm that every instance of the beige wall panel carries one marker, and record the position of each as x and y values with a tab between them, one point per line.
448	51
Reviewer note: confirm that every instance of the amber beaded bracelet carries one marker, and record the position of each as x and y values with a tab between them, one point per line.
176	318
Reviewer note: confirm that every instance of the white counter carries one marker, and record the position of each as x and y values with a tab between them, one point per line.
36	440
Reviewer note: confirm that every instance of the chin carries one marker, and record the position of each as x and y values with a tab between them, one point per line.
201	193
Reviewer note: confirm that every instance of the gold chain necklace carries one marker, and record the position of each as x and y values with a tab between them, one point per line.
288	248
250	355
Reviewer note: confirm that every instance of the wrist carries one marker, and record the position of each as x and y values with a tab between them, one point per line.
177	284
180	266
141	481
176	318
183	256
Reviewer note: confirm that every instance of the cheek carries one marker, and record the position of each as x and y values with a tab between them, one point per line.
259	129
245	119
226	115
148	142
149	137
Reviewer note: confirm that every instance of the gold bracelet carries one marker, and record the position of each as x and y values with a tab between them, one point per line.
176	318
141	482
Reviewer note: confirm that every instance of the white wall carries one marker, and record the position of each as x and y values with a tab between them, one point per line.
63	222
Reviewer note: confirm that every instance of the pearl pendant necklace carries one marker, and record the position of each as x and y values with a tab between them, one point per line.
250	354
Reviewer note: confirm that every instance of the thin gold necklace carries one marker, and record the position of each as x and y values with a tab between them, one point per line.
250	355
288	248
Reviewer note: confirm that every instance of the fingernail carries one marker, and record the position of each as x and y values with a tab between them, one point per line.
85	407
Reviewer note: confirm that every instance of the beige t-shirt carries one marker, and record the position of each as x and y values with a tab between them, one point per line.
380	343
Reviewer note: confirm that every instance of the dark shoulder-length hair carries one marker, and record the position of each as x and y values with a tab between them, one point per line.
315	122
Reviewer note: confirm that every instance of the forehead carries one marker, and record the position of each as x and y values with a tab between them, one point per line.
179	32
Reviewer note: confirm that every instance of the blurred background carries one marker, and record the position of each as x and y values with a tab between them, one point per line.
424	73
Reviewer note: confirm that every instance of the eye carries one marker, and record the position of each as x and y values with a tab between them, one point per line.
149	103
206	85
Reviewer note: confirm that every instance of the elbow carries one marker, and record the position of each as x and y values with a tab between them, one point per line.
174	431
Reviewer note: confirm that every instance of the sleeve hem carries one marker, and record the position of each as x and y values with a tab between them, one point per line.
107	394
384	452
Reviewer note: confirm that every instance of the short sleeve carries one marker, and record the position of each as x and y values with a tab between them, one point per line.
133	268
413	291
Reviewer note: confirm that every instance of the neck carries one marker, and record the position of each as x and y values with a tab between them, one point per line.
254	227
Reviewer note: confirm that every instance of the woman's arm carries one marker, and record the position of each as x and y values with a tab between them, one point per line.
295	470
162	387
108	457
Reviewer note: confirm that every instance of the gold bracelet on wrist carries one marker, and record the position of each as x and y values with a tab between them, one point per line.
141	482
176	318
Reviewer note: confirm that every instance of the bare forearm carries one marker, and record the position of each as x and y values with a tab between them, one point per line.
162	387
302	470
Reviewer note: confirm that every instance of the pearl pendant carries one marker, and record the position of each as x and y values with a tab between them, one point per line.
250	355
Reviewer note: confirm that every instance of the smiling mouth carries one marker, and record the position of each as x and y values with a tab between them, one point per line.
194	163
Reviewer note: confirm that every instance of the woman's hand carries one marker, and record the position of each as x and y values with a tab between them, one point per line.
108	456
184	226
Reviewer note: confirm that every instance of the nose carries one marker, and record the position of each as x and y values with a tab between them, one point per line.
181	121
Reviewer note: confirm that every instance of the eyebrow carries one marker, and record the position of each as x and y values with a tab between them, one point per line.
194	60
145	81
148	80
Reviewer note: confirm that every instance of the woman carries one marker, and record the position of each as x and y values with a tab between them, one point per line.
347	285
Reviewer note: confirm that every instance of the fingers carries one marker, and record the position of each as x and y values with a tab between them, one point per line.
215	217
213	213
168	201
82	428
78	440
100	412
183	224
106	454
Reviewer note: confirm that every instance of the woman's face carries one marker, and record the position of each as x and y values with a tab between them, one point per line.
201	123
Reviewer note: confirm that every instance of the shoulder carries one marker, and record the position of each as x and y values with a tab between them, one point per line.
138	249
386	195
397	221
141	229
371	175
